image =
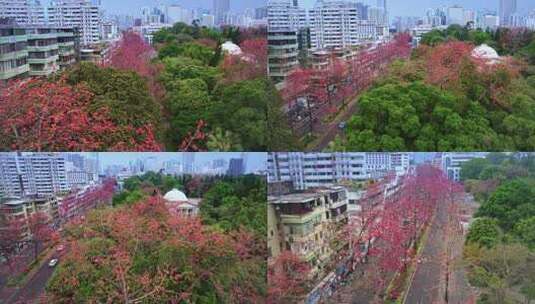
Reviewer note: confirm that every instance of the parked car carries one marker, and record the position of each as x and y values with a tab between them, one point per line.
53	263
61	248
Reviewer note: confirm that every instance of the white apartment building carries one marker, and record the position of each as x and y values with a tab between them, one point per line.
286	14
77	13
177	13
452	162
507	8
41	174
378	164
340	24
308	170
335	24
207	20
23	11
456	15
221	8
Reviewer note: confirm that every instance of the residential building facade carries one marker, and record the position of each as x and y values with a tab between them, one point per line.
81	14
41	174
307	224
309	170
23	11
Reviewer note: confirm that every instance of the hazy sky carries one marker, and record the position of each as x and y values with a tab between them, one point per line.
418	7
255	161
132	7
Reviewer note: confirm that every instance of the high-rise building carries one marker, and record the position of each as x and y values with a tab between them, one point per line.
188	162
23	11
81	14
285	20
39	174
13	52
236	167
382	4
506	10
221	9
285	14
456	15
308	170
340	24
177	13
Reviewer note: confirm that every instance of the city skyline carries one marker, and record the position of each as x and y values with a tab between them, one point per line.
255	160
134	6
418	7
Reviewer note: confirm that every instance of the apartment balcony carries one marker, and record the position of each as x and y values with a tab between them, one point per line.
44	72
42	36
14	55
13	39
43	60
66	52
283	47
14	72
300	219
44	48
66	44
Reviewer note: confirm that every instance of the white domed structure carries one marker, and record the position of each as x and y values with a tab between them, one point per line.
175	195
231	48
487	53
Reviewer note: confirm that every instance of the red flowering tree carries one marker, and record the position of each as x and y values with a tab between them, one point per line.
287	278
40	227
250	64
444	63
132	53
146	253
11	238
39	115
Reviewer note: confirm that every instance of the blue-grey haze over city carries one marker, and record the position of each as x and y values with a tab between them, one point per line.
418	7
132	7
255	161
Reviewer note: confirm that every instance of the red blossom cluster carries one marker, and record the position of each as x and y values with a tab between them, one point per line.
132	53
40	115
250	64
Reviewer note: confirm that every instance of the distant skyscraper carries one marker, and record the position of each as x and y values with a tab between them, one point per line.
456	15
188	160
221	10
507	9
236	167
382	4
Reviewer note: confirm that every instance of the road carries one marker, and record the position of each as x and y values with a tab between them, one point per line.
328	132
35	286
440	277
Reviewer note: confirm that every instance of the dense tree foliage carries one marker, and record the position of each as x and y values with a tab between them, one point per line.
229	93
145	253
444	99
484	231
501	240
499	272
238	202
125	93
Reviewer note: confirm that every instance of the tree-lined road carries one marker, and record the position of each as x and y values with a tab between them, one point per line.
35	286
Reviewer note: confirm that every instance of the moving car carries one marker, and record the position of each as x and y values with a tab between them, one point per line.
53	262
